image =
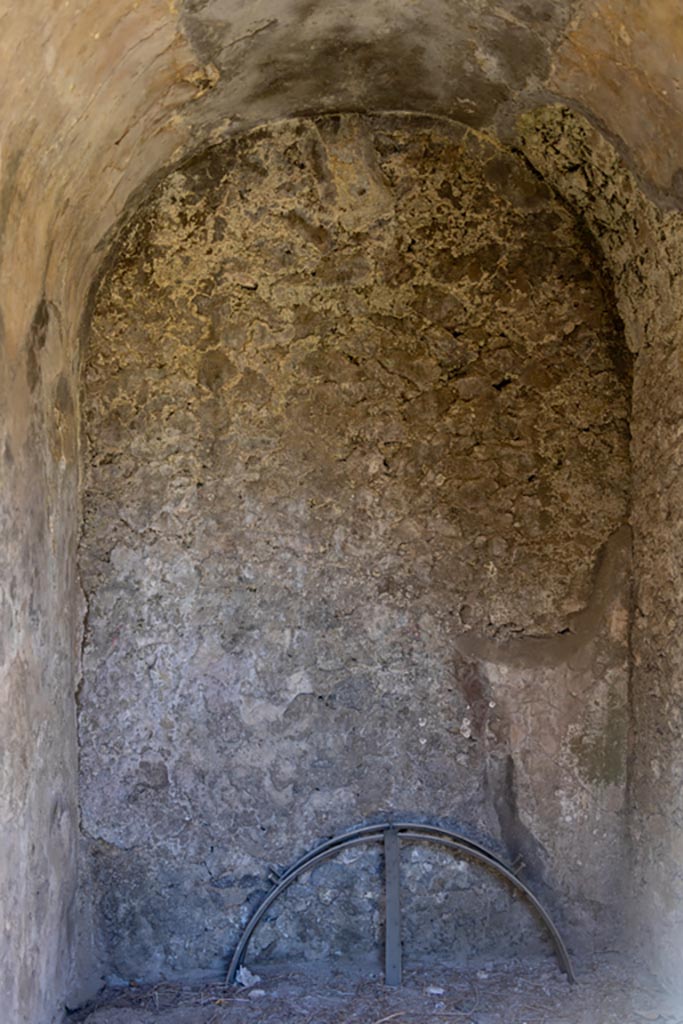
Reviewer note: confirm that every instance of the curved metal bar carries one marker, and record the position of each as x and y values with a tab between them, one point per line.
484	858
400	826
412	831
308	864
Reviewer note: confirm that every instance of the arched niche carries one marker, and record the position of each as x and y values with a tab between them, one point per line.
356	408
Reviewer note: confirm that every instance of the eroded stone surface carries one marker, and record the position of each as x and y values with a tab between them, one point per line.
95	100
641	245
354	391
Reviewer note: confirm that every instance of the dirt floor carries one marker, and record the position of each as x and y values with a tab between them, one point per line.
512	992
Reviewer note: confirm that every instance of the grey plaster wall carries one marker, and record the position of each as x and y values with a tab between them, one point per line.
357	473
477	61
39	643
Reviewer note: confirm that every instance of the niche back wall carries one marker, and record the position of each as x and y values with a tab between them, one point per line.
356	420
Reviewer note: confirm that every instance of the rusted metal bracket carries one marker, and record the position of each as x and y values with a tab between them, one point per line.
392	834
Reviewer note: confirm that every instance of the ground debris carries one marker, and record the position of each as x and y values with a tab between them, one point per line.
608	991
245	978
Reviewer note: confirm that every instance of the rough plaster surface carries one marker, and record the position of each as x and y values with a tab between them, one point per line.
642	246
38	664
86	98
356	413
96	98
621	60
471	59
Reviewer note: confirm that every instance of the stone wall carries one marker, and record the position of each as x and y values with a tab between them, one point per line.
94	103
643	249
356	408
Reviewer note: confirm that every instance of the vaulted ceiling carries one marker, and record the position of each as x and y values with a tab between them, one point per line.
96	98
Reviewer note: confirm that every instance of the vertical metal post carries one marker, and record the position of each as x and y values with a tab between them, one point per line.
392	888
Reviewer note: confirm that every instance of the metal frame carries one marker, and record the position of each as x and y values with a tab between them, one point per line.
391	834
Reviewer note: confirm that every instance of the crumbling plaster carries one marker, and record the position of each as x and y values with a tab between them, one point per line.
354	389
95	100
644	249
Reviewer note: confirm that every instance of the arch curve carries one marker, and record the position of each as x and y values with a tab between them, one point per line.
413	831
